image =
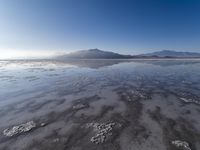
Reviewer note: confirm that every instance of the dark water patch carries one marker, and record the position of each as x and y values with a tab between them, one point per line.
179	129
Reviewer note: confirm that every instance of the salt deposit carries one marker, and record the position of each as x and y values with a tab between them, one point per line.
19	129
181	144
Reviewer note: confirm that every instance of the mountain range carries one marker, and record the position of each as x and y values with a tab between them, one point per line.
93	54
100	54
171	53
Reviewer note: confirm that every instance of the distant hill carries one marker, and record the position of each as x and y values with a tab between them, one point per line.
171	53
93	54
100	54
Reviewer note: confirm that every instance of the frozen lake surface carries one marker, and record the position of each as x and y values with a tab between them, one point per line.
100	105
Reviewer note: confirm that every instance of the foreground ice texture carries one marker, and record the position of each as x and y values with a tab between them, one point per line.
19	129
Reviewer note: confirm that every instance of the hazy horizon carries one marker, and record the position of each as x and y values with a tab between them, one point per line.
18	54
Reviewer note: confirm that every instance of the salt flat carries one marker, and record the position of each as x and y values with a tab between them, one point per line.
100	105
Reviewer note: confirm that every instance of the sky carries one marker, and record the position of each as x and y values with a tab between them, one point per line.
45	27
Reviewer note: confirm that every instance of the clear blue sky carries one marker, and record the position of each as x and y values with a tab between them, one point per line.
125	26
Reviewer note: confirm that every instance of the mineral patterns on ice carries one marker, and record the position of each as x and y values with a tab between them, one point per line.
190	100
181	144
79	106
19	129
188	97
135	95
102	130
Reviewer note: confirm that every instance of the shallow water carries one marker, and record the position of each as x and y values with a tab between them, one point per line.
151	103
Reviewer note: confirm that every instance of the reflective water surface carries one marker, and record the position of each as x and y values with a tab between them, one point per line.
100	105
